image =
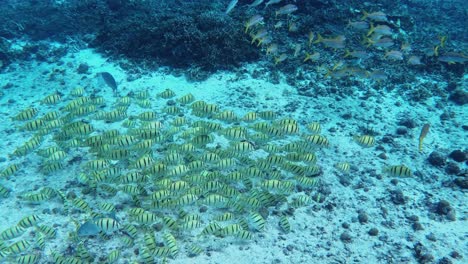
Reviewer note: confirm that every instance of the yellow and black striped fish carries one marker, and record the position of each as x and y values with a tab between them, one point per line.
107	225
343	166
26	114
365	140
398	171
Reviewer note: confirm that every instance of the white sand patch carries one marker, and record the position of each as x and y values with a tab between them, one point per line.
317	228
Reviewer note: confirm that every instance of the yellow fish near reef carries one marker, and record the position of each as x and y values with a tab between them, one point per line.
424	131
256	19
375	16
337	42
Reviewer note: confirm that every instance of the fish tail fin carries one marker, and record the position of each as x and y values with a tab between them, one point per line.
386	169
347	54
311	37
367	41
443	40
349	24
253	39
280	58
307	57
365	15
319	39
371	30
436	50
260	41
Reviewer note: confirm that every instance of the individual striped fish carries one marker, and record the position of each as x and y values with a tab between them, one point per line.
170	242
398	171
78	91
211	229
26	114
108	225
365	140
8	171
113	256
244	234
257	222
424	131
186	99
12	232
29	221
343	166
284	224
19	246
314	127
4	192
51	99
195	250
28	259
48	231
166	94
317	140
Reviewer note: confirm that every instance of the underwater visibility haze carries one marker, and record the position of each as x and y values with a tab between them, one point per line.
233	131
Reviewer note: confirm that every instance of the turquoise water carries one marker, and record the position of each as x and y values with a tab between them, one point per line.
233	132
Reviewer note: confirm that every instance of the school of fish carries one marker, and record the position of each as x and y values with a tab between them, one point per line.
344	55
185	171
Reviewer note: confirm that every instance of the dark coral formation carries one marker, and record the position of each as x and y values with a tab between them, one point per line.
198	38
210	40
184	34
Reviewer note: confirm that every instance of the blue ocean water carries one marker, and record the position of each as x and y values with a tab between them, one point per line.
233	131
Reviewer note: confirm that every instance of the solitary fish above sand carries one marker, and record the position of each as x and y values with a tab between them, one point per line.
424	131
398	171
109	80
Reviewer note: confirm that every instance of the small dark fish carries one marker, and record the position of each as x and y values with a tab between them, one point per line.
424	131
88	229
109	80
